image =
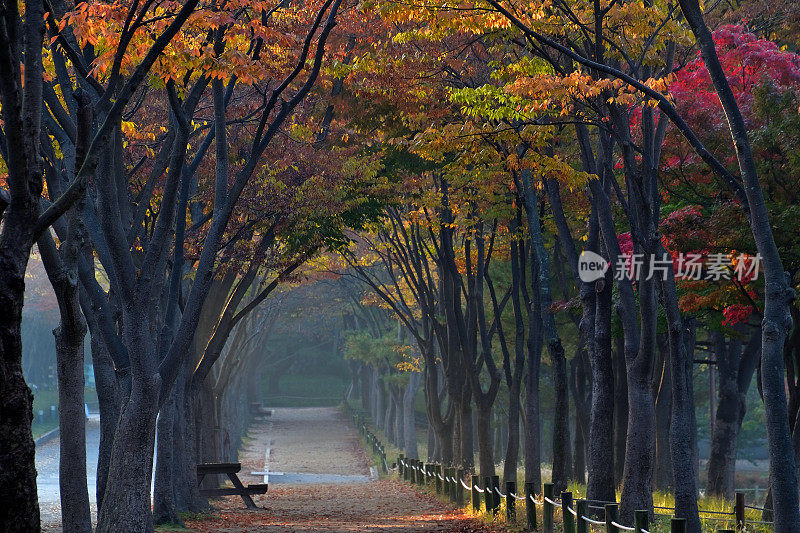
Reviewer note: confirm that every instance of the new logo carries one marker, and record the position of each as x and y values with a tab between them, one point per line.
591	266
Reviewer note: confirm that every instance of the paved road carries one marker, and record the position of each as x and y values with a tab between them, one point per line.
47	460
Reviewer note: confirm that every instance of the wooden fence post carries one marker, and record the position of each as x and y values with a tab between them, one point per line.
454	485
641	521
738	510
448	474
530	506
487	494
400	459
547	508
611	517
511	502
581	509
566	506
677	525
476	496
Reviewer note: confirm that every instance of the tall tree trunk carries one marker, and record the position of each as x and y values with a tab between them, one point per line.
577	381
400	427
561	440
126	502
75	514
485	436
663	394
637	476
105	383
620	409
602	480
20	508
683	426
513	439
433	448
736	367
62	271
390	420
408	417
19	213
366	387
165	507
465	418
777	295
533	446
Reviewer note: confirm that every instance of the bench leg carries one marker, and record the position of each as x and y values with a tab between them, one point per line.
242	491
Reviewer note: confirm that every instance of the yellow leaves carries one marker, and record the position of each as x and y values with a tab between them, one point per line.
128	127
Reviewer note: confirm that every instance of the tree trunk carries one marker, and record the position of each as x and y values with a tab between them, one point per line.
620	410
75	514
561	440
579	445
533	447
400	428
390	418
465	417
777	294
513	439
20	504
126	503
637	477
601	482
61	267
409	420
165	508
366	387
105	382
683	425
433	447
663	392
485	436
736	368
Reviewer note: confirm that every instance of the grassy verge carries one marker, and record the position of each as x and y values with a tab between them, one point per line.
320	390
711	520
42	400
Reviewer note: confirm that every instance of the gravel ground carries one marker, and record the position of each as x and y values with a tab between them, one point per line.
320	442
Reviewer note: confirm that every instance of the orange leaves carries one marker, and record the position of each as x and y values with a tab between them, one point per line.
191	52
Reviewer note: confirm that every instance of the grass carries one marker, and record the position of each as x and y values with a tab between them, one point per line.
42	400
316	390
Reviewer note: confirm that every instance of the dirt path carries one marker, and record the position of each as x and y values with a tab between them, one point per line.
307	446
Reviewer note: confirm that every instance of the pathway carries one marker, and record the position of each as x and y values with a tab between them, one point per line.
320	480
47	461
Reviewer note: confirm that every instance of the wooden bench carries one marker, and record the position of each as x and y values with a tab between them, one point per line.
229	469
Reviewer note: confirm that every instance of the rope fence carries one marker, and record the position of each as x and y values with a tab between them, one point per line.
576	515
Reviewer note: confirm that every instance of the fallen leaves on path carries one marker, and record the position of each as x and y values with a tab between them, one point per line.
382	506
